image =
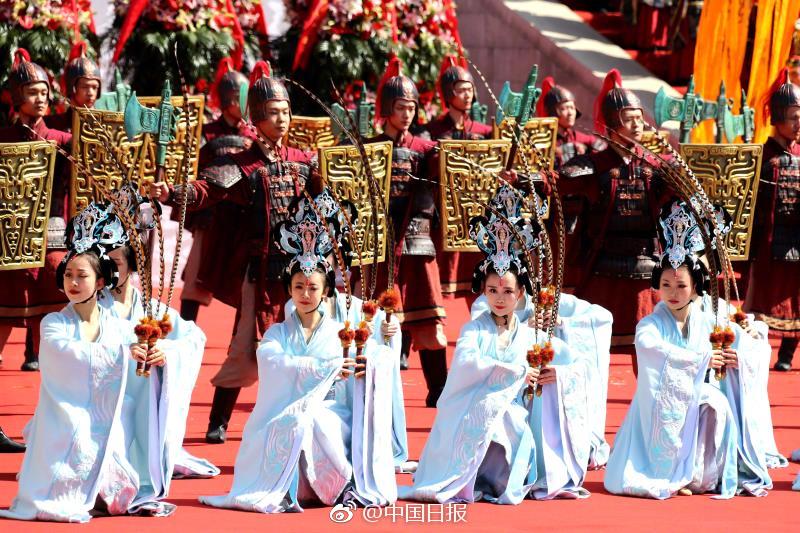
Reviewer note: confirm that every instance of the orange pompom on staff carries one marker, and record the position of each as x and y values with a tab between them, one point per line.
369	308
546	355
721	339
361	337
389	302
148	331
740	317
346	336
534	361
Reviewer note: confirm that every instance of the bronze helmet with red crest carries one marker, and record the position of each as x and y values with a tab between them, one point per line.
79	66
452	72
25	72
612	100
553	95
264	89
227	85
394	86
781	96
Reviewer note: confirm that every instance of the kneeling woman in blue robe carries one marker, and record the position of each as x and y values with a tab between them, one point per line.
319	432
685	431
95	445
483	444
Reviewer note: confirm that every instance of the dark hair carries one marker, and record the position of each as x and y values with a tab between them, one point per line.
697	271
104	270
130	257
330	278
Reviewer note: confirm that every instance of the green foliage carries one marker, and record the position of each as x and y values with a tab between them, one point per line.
347	57
148	57
48	48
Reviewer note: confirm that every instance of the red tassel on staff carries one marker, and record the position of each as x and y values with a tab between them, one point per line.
547	84
392	70
783	77
135	9
309	35
613	79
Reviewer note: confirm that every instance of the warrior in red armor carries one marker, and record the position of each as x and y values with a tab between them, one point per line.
773	293
414	219
228	134
81	84
614	253
29	294
557	101
457	93
251	192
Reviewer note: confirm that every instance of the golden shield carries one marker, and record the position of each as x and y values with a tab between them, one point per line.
102	148
26	184
729	174
537	149
310	133
342	169
650	141
468	171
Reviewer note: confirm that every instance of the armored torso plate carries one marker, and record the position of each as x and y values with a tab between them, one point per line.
786	228
404	190
629	243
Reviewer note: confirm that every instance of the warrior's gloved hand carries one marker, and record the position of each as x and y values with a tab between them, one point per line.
159	191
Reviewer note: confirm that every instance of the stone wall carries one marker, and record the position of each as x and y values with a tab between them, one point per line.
504	46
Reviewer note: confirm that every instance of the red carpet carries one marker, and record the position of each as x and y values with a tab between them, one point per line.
776	512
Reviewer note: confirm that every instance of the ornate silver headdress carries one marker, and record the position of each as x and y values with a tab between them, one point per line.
504	236
681	236
308	238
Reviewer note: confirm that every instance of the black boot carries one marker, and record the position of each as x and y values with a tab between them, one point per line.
31	363
405	349
434	368
221	410
10	446
785	354
189	310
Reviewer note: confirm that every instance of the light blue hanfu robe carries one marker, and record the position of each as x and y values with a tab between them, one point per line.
399	435
561	426
190	341
760	353
311	437
482	445
100	432
586	329
684	428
